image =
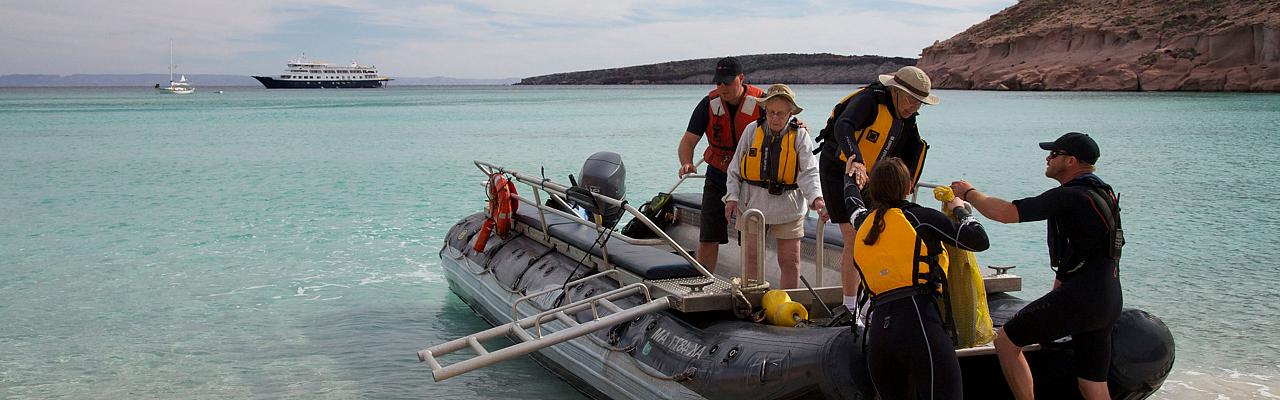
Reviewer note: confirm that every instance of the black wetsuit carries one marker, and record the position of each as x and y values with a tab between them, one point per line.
909	352
860	113
1088	302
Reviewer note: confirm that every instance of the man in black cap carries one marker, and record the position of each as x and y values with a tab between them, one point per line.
720	116
1084	250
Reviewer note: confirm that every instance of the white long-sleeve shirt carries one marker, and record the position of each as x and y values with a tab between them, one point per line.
792	204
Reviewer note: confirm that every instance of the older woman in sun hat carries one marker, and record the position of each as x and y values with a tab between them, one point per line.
875	122
775	171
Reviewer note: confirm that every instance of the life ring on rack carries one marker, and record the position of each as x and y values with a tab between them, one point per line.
501	210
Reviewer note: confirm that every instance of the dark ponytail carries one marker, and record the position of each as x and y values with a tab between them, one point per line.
887	182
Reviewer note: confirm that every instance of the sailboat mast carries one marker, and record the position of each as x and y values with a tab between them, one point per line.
170	60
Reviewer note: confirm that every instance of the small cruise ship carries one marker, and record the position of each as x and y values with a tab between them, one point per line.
303	74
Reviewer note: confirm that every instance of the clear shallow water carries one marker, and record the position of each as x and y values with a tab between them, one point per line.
284	243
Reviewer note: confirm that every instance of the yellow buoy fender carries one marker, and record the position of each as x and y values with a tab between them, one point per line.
787	314
779	310
774	298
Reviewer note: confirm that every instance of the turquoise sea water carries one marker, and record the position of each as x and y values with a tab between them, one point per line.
274	244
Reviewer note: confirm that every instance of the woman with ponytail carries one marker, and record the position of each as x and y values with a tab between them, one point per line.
899	254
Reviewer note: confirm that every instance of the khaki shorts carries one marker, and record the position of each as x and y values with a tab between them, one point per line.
785	230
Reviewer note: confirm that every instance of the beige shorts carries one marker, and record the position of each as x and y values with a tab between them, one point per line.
785	230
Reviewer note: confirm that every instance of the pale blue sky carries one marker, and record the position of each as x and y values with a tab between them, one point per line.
464	39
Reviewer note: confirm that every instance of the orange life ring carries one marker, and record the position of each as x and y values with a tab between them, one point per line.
502	209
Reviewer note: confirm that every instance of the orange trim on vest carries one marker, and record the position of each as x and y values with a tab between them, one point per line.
724	130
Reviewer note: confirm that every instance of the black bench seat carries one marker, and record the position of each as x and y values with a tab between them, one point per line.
648	262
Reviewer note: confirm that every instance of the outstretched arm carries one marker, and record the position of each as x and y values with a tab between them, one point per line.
992	207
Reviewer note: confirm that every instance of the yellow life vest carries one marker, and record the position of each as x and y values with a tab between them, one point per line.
874	141
899	259
772	159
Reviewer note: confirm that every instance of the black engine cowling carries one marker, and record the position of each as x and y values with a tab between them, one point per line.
602	173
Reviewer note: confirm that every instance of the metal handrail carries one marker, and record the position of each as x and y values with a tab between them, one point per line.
537	203
576	218
578	305
927	185
686	176
752	216
558	189
542	217
552	289
820	247
916	190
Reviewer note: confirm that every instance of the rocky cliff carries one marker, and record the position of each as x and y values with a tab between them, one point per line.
1193	45
761	68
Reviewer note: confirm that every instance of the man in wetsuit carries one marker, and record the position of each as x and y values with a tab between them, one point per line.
879	119
721	116
1084	249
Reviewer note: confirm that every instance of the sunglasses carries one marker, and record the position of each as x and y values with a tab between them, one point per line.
1055	154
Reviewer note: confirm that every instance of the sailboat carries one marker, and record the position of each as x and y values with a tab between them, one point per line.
180	86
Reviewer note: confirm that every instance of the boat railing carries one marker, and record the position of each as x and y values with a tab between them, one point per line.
543	209
559	191
927	185
820	245
594	302
753	219
514	304
922	185
687	176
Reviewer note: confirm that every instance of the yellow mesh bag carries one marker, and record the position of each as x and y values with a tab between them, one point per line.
967	291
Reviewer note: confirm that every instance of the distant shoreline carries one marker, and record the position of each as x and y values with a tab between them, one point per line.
821	68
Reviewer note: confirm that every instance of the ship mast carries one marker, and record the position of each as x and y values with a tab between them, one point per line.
170	61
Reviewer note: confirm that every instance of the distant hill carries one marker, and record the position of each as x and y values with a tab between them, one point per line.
820	68
34	80
1146	45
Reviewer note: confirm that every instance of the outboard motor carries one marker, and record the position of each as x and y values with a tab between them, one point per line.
602	173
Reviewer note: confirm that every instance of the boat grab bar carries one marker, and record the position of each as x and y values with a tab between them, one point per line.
566	286
754	218
687	176
558	189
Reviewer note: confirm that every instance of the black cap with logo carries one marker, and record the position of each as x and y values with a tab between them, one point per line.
727	69
1075	144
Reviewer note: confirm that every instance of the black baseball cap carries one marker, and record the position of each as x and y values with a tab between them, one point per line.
727	69
1075	144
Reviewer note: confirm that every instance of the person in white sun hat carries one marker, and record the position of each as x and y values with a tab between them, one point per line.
875	122
774	170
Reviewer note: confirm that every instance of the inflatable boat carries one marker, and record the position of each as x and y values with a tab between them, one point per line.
626	317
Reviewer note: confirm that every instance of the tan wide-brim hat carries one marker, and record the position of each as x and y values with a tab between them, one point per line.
913	81
783	91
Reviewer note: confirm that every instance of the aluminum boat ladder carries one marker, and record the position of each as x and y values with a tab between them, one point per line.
541	337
